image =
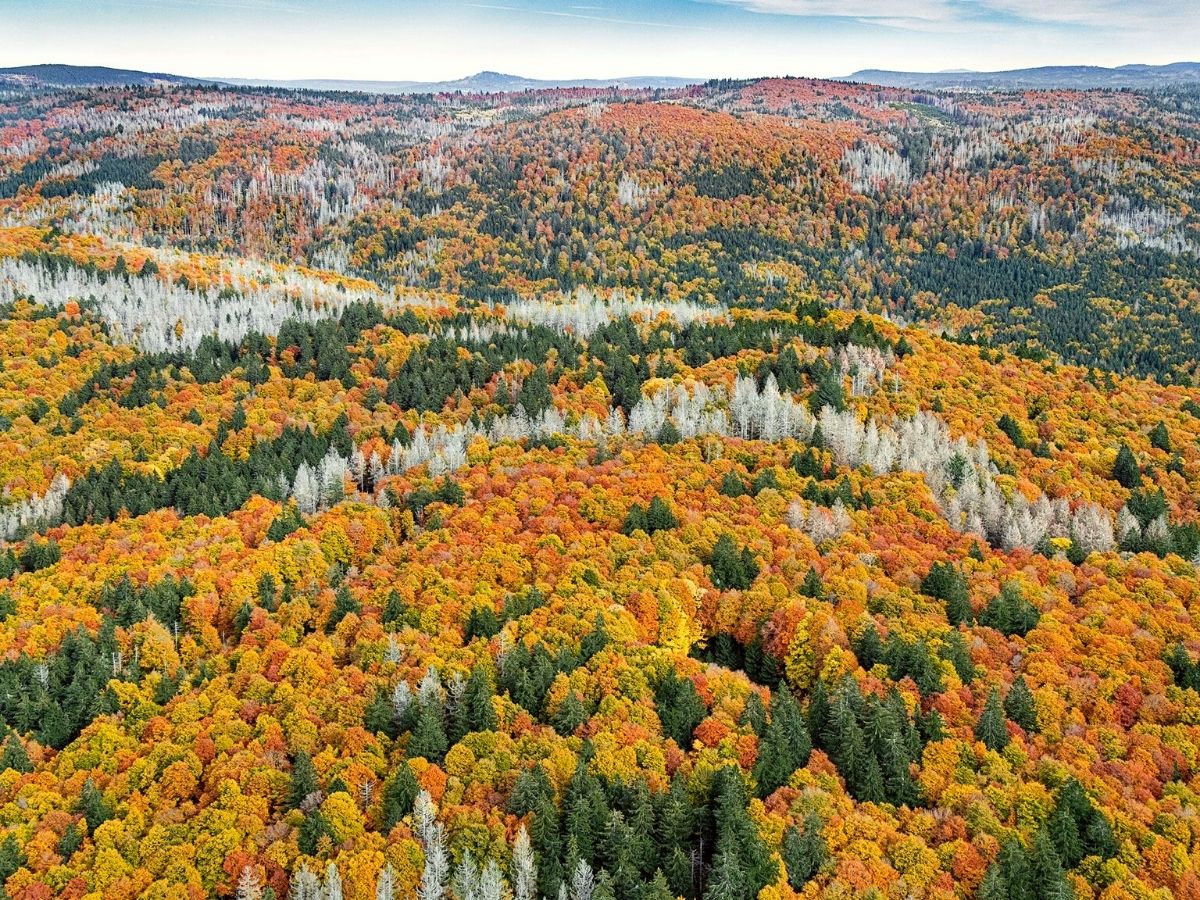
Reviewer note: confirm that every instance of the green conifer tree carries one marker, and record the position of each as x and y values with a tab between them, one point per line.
991	729
11	858
1125	470
475	712
1019	706
304	779
785	746
314	827
14	756
399	796
429	735
659	516
1159	438
96	810
804	852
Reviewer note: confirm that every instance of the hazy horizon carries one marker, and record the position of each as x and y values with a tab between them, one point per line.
437	40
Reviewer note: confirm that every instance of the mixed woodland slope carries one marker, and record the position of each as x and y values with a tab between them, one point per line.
760	489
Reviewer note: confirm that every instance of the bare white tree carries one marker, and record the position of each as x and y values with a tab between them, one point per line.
524	878
466	878
583	882
331	478
1127	525
1092	529
873	168
393	655
430	689
433	841
818	523
333	883
491	883
385	886
146	310
38	512
1157	531
306	490
305	885
585	311
402	698
249	887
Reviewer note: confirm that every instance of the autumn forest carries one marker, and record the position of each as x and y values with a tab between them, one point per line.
763	489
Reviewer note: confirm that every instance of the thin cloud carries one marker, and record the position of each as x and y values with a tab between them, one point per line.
1102	13
938	15
273	6
854	10
558	14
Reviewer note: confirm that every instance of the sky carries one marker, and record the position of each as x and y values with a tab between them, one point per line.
443	39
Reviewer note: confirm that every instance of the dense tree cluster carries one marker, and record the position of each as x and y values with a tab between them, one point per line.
565	511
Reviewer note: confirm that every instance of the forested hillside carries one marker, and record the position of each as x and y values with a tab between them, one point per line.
764	489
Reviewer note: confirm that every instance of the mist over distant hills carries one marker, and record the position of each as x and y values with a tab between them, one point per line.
479	83
1050	77
57	75
1044	77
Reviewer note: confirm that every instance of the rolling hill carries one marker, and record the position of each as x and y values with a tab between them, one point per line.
1050	77
60	75
68	76
479	83
773	489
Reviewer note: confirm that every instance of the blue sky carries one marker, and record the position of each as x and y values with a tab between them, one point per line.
438	39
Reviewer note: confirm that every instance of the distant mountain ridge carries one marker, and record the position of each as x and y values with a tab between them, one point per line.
479	83
61	75
1048	77
488	82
